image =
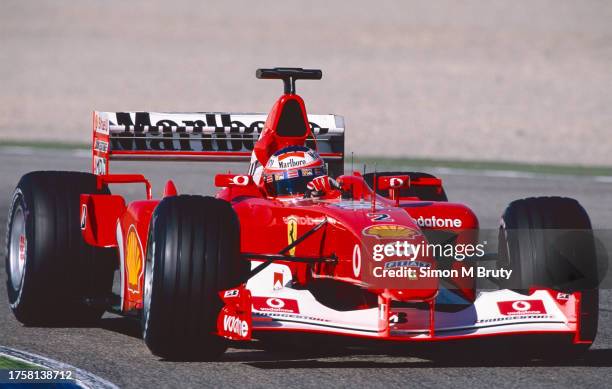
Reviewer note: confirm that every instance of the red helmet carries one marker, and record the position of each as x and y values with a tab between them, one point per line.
290	169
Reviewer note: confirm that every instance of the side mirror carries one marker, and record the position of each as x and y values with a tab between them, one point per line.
393	184
233	180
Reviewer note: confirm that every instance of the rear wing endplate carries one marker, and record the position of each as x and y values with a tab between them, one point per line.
201	136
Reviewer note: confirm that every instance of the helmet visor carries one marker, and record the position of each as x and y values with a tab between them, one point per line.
291	186
292	182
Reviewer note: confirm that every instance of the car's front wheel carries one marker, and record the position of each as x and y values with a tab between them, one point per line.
193	252
548	242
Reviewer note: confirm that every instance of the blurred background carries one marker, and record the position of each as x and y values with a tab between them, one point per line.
469	80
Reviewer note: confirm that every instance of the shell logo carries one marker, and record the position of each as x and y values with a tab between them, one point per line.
133	260
384	231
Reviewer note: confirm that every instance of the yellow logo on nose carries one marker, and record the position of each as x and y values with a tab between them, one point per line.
385	231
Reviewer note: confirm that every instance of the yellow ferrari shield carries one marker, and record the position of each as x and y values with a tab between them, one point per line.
292	227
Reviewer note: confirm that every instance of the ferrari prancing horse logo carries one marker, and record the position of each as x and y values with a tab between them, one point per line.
291	233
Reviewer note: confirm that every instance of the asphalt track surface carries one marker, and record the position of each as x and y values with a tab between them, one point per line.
115	352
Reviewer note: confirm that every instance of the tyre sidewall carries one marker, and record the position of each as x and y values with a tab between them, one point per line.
16	295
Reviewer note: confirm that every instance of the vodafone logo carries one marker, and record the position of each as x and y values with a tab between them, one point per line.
240	180
521	307
435	222
395	182
356	261
275	304
236	326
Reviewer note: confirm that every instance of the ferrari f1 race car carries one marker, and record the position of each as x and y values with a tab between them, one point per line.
292	245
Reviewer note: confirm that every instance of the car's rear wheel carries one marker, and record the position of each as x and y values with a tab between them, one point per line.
548	242
425	193
54	277
193	252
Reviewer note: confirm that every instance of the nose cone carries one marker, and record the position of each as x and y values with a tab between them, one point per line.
398	264
390	253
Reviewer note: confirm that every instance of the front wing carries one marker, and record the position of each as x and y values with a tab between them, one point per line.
275	306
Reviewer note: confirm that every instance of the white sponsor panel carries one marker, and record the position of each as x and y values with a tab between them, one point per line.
99	166
101	122
219	132
214	119
293	159
275	304
101	146
272	278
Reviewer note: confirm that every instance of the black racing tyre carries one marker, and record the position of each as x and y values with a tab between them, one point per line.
193	252
548	242
54	277
425	193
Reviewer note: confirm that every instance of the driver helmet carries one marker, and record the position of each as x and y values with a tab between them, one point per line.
290	169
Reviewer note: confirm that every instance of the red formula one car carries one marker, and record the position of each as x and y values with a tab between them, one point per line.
294	245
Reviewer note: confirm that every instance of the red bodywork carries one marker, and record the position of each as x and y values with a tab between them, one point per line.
269	224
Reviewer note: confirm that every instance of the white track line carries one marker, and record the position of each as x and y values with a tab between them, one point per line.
83	378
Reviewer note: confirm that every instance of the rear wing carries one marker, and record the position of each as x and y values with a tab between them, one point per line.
201	136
